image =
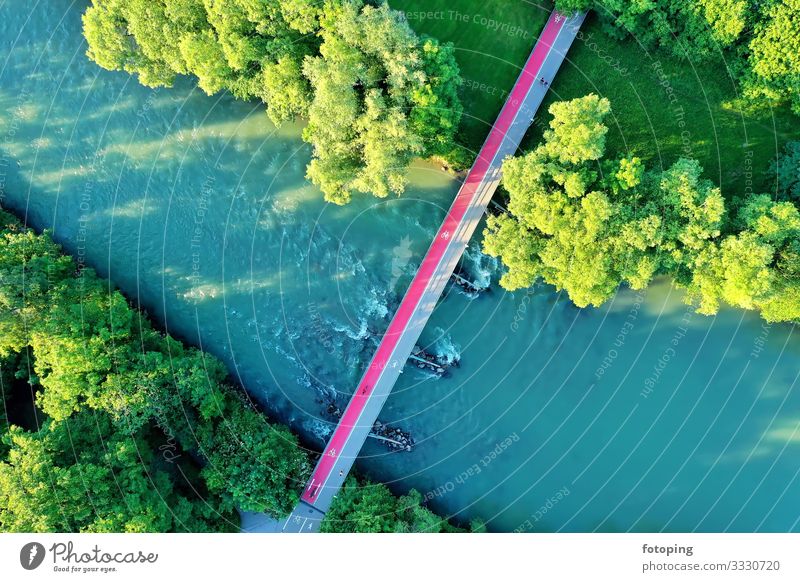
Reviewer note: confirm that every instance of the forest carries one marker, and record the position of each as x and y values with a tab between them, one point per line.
374	94
587	224
109	425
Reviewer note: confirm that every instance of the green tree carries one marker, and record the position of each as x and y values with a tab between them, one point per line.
81	475
577	132
693	29
759	41
262	467
31	268
375	94
519	249
286	91
693	208
757	268
92	352
127	35
774	55
567	226
382	96
436	109
116	390
367	507
586	225
204	57
571	6
786	169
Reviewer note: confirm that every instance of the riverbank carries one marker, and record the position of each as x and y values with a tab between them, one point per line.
89	358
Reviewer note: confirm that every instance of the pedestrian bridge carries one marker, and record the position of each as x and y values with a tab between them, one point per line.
438	265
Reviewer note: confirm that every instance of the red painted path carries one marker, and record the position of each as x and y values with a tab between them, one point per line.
478	175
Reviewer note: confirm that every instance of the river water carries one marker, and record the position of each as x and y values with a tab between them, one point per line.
637	416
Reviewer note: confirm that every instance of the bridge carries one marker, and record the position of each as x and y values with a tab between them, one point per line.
438	265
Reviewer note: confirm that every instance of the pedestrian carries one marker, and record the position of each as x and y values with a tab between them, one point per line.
341	473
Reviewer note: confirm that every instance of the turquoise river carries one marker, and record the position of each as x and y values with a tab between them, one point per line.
637	416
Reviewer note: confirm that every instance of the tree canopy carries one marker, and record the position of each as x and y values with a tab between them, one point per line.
81	475
142	433
585	224
375	94
774	54
759	41
362	506
100	366
786	169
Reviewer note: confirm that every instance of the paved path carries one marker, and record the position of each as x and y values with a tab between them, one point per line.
444	253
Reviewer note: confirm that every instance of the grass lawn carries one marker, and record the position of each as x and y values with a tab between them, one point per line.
662	107
493	38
